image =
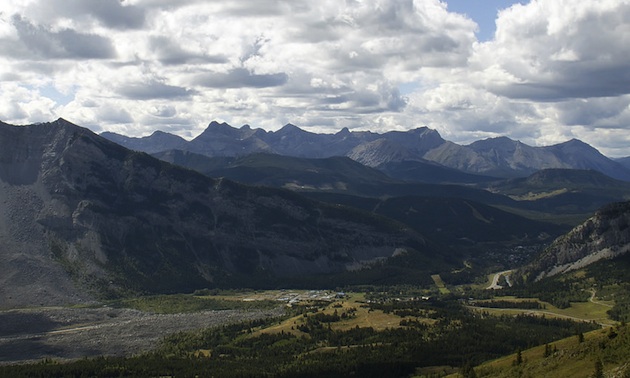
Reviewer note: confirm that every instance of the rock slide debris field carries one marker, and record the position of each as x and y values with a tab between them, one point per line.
30	335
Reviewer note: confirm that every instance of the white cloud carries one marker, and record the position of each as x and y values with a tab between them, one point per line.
557	68
556	50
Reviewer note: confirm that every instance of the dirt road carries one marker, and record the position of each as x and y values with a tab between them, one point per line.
495	280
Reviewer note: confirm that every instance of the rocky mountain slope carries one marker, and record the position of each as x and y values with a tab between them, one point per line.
500	157
81	215
605	235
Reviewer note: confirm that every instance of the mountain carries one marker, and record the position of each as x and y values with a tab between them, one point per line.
381	151
156	142
221	139
501	157
603	236
579	155
455	216
84	216
506	155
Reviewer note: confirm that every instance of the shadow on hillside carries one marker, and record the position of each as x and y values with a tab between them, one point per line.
20	323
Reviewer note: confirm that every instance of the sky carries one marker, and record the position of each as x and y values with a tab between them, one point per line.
540	71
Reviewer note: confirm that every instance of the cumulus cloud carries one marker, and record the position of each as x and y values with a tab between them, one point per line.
109	13
41	42
555	69
556	50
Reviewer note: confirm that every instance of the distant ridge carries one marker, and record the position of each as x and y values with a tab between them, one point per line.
625	161
498	157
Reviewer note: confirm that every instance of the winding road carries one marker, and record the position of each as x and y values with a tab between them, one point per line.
592	300
495	280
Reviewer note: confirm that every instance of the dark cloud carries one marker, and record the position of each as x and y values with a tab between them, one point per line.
110	13
593	111
241	78
37	42
395	101
568	80
154	90
170	53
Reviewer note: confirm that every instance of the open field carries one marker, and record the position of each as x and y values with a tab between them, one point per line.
592	311
60	333
357	315
440	284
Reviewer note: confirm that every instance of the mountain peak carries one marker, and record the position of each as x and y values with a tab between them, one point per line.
216	124
576	146
422	130
573	142
216	128
159	133
495	142
290	129
290	126
344	131
62	122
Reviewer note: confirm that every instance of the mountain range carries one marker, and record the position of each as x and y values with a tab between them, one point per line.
497	157
85	218
82	217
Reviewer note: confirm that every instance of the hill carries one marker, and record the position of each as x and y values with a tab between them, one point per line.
602	353
564	190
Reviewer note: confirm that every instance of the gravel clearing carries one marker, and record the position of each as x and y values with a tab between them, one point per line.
68	333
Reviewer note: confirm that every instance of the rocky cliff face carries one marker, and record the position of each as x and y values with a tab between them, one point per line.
605	235
80	212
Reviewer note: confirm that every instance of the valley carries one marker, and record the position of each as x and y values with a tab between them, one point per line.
119	262
312	326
